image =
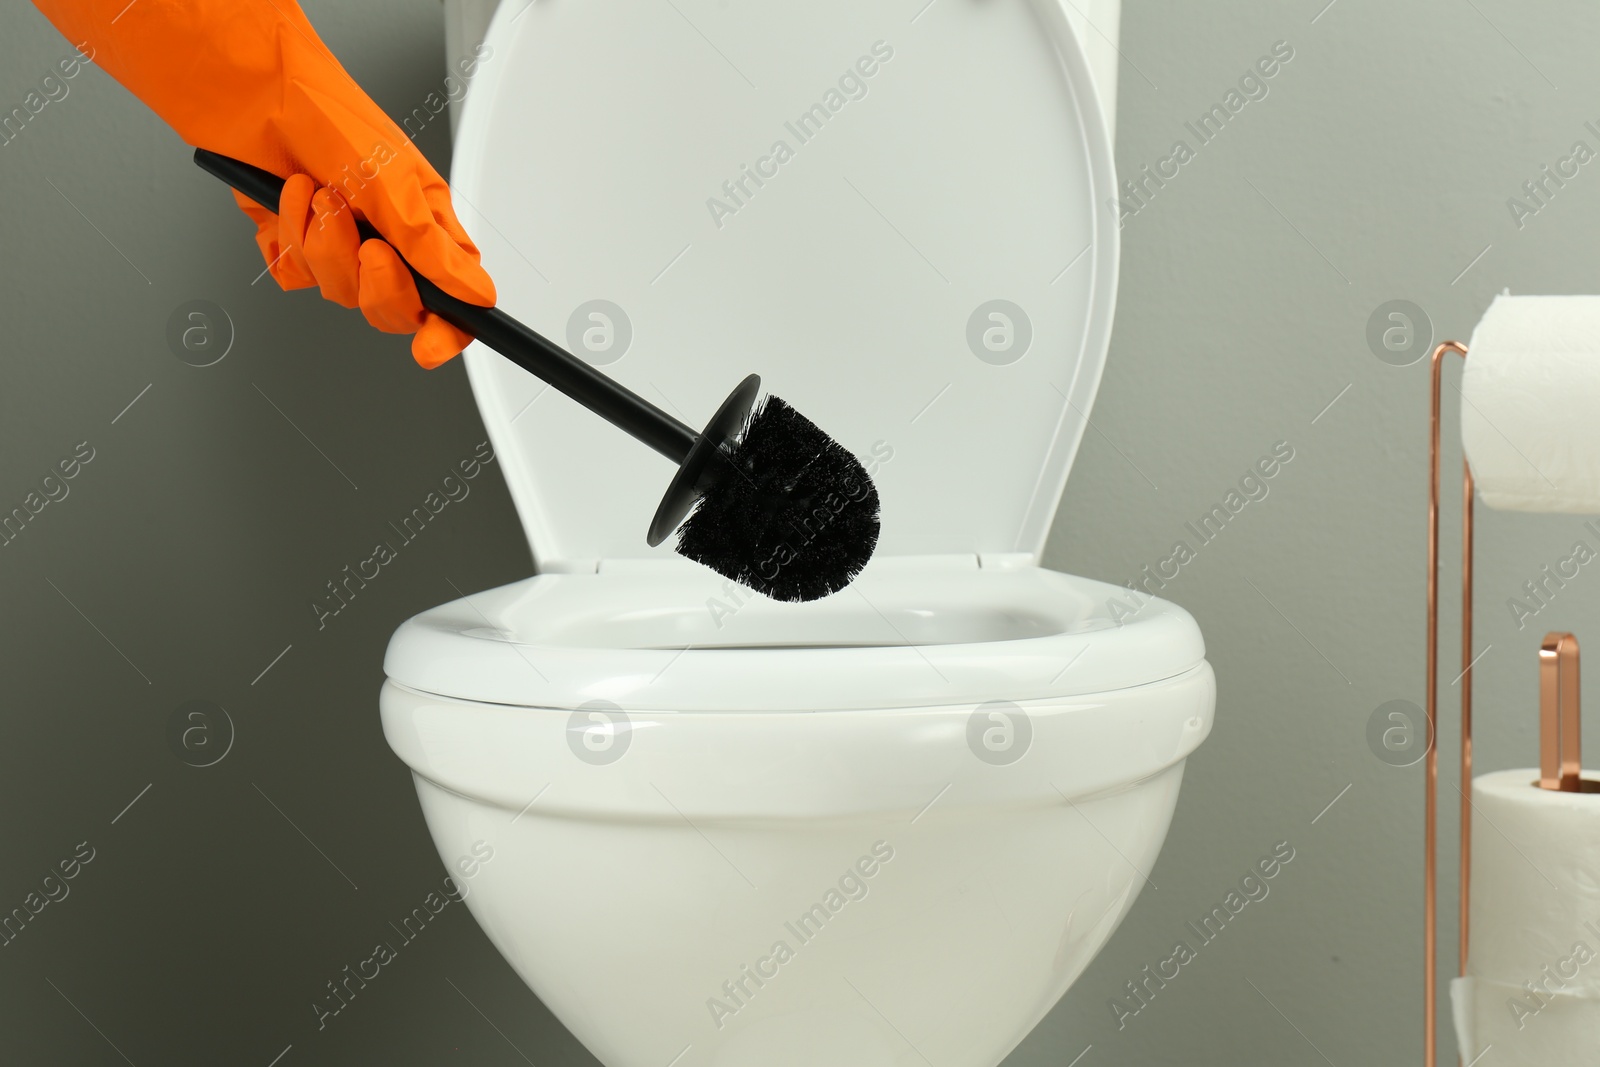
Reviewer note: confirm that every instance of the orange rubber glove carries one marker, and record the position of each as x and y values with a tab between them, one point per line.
250	79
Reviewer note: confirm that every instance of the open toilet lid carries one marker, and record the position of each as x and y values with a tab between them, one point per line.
895	213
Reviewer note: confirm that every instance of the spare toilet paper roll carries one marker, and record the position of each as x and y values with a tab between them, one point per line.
1532	988
1530	404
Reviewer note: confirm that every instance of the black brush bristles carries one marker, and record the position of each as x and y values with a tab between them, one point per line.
791	513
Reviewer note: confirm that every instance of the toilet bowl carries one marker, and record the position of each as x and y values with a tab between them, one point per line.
856	833
892	826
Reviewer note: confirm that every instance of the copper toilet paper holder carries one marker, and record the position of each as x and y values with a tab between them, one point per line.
1560	766
1560	759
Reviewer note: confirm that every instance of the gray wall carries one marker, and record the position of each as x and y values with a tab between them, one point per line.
182	560
1376	169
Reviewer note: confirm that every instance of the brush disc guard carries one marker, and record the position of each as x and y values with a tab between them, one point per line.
694	477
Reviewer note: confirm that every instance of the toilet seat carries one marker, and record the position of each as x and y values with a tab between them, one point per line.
911	632
903	223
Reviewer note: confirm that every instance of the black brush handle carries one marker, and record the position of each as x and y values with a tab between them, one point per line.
531	351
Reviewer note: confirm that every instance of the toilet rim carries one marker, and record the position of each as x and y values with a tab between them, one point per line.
660	768
668	637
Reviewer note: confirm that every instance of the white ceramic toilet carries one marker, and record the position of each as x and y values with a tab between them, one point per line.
890	827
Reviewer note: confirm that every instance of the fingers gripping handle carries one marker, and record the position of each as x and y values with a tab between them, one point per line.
531	351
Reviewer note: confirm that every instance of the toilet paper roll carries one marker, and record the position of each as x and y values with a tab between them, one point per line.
1529	404
1564	1029
1532	988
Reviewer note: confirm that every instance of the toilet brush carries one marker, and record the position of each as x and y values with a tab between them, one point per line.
762	495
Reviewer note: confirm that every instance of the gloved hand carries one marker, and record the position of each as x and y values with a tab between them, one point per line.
250	79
